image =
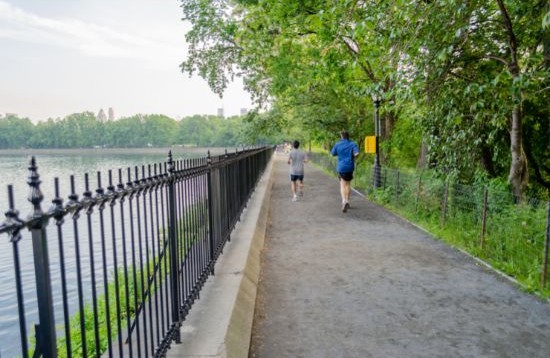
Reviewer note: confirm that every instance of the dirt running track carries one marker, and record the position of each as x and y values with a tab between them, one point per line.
368	284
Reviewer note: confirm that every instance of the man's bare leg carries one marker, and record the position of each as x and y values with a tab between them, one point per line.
345	191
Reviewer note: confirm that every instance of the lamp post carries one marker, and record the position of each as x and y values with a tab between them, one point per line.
376	101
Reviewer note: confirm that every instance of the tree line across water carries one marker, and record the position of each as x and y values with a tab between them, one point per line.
84	130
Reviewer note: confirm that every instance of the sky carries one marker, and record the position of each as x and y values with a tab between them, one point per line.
59	57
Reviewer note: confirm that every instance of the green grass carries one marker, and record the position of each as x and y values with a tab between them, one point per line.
102	300
188	236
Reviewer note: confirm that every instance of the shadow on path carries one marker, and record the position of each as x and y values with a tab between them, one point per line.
368	284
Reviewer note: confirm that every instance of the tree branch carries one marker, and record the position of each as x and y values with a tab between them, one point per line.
542	90
354	49
499	59
460	76
512	40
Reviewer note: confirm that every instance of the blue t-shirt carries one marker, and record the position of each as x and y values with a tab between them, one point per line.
346	151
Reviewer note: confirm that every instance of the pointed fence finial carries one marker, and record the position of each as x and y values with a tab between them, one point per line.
35	195
170	163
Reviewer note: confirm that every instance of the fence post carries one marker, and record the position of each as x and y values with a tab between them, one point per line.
173	244
546	247
444	206
418	193
210	212
483	218
45	330
397	189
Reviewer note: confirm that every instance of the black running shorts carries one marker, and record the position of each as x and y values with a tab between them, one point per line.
346	176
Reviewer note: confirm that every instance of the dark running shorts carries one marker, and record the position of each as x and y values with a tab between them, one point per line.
346	176
296	177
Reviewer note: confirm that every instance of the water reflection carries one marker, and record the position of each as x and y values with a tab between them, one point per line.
61	164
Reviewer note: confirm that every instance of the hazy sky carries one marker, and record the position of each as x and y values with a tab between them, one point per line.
59	57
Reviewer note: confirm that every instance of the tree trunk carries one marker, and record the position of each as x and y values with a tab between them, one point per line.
546	41
386	130
389	124
422	158
519	175
389	119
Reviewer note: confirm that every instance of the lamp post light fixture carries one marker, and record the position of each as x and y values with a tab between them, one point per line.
377	169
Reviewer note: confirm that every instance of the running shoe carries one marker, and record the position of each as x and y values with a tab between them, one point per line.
345	207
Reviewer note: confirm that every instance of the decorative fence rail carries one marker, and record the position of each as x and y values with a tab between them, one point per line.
491	224
141	249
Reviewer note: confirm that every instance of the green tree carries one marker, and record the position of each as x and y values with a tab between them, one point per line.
196	130
480	62
160	130
469	67
45	135
15	132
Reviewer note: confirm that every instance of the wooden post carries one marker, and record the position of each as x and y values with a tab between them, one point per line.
418	193
483	219
546	247
444	205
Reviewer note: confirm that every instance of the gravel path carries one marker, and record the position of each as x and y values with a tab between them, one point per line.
368	284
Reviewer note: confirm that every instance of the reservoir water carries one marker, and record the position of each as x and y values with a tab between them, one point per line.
51	164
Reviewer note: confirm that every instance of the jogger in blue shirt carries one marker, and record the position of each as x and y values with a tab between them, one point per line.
346	151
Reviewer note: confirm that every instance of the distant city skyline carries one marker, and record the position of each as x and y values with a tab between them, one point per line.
61	57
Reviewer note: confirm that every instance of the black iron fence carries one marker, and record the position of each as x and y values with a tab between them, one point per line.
118	271
490	223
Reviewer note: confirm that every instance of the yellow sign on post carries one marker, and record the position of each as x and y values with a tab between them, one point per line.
370	144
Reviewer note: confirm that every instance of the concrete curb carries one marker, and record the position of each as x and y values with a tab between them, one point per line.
220	323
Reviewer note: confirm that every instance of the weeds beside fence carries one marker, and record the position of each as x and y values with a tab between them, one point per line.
510	235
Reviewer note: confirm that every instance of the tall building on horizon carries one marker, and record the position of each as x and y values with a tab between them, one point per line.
101	116
221	113
111	114
244	111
